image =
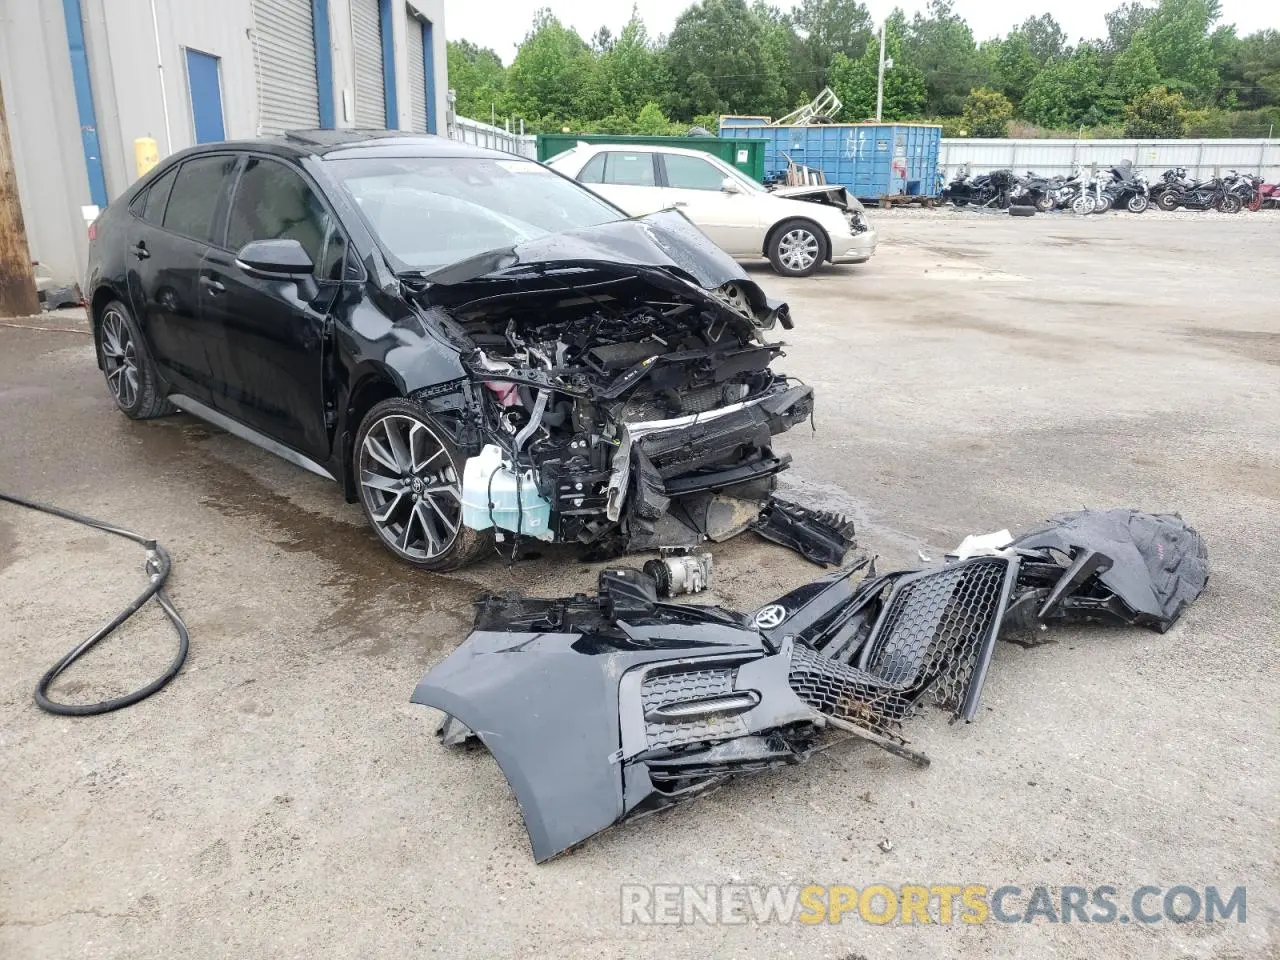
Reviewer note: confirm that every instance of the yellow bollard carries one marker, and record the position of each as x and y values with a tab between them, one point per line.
146	154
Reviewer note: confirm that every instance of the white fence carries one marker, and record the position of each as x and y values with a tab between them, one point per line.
1202	158
493	138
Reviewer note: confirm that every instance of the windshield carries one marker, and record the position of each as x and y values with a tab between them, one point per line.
433	211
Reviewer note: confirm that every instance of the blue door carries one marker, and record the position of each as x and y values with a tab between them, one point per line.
203	77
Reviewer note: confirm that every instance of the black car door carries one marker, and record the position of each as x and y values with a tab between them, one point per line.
271	334
167	243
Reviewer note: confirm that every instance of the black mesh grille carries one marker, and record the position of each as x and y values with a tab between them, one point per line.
934	625
847	693
668	688
926	641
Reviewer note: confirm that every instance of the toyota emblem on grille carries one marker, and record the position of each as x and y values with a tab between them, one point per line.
770	616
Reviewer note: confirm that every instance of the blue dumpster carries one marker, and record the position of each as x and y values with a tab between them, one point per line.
871	160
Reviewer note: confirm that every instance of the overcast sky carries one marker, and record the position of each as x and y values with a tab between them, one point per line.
501	24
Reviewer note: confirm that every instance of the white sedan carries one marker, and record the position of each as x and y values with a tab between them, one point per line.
797	228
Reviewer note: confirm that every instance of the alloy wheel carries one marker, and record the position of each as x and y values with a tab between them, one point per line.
798	249
410	486
120	359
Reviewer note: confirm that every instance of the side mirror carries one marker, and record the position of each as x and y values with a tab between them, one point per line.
274	259
730	185
280	260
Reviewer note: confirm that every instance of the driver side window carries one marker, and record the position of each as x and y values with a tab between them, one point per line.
273	202
690	173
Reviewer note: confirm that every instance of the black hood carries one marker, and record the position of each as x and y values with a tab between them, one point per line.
662	248
665	240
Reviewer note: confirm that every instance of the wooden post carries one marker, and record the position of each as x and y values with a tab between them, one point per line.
17	283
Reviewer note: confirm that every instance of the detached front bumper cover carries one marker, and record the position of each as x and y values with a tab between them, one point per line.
601	708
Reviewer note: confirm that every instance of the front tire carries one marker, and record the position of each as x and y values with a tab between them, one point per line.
409	473
797	248
1044	203
1167	202
1230	204
131	375
1137	204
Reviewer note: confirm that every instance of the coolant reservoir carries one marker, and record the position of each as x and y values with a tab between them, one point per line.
493	496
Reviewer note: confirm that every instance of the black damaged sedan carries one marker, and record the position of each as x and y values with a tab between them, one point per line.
474	346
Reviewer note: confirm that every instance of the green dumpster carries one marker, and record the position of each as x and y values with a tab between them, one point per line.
747	154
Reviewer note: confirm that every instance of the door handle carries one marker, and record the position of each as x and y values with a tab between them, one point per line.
214	286
140	250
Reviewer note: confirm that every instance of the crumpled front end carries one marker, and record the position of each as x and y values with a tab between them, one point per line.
614	396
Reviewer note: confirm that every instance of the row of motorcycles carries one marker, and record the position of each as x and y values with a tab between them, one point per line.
1119	187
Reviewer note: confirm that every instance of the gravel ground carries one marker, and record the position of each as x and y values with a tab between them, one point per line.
282	798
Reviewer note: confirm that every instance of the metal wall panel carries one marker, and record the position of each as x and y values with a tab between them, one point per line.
417	64
1202	158
285	55
370	92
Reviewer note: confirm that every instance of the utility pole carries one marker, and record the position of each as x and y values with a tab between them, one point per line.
17	283
880	79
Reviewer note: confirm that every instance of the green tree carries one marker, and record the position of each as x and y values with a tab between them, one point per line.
940	44
828	27
716	59
854	82
479	79
1133	71
1156	113
1045	38
987	113
783	52
1123	23
1014	66
555	78
1250	68
1179	36
1067	92
652	122
632	68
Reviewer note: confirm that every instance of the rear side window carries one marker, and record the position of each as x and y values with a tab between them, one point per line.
193	201
629	169
273	202
690	173
157	197
593	172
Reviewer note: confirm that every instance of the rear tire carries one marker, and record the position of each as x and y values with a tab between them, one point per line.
797	248
131	375
1021	211
409	474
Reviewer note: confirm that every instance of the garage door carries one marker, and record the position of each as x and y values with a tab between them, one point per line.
366	33
417	75
285	59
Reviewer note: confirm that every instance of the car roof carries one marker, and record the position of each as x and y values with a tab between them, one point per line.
345	144
638	148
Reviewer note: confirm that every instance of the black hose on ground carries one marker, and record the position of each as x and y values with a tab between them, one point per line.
158	566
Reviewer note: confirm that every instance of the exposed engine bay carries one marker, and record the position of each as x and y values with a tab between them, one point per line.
625	407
